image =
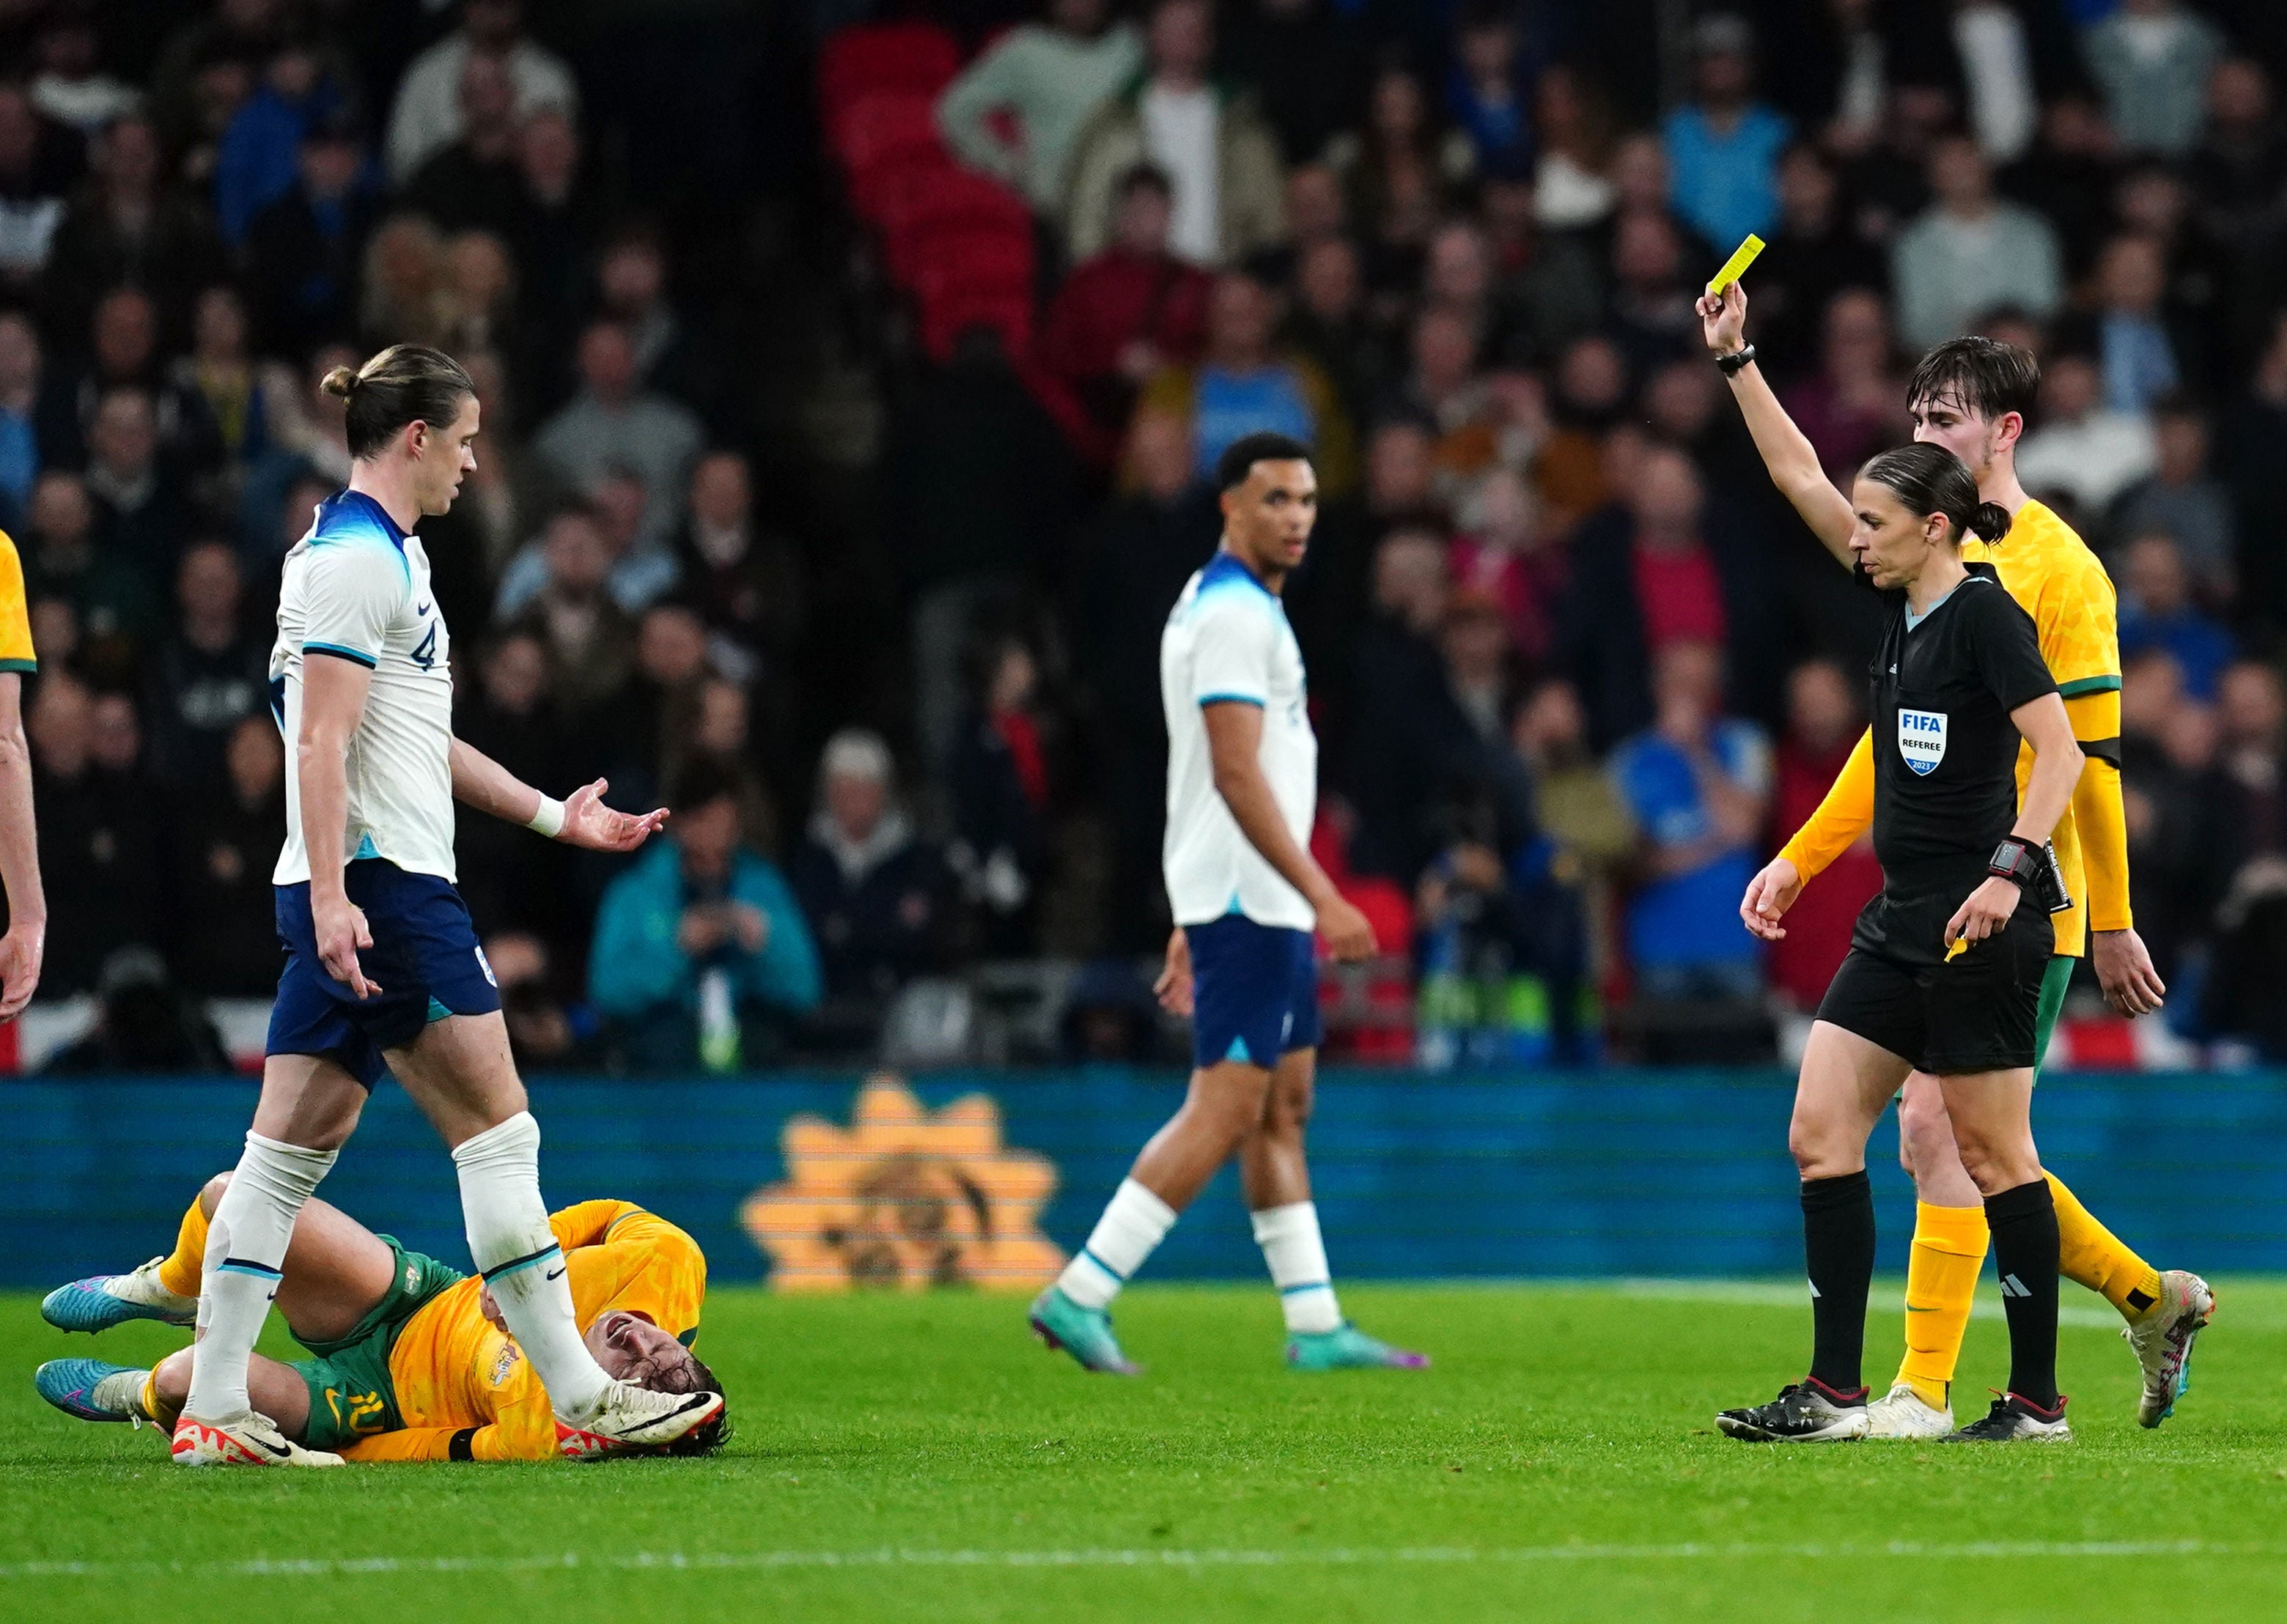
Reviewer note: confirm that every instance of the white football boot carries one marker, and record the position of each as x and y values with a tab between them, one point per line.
634	1421
250	1441
1902	1413
2163	1339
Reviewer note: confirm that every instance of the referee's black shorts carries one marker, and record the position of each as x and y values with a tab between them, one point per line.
1976	1011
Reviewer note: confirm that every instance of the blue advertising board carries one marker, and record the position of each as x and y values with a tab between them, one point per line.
987	1178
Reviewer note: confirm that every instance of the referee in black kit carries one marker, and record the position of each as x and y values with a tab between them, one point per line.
1946	965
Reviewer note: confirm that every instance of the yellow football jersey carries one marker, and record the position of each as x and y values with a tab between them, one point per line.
454	1370
15	618
2055	578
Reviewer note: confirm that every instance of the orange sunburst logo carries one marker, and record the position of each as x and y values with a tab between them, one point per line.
904	1199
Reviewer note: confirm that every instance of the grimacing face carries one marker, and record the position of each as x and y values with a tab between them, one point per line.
631	1349
447	456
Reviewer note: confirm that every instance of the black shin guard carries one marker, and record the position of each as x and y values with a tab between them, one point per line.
2024	1225
1837	1243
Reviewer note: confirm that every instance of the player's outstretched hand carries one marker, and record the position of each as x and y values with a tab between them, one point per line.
340	927
1724	319
1985	914
1769	895
21	952
1349	937
1174	987
2124	969
589	823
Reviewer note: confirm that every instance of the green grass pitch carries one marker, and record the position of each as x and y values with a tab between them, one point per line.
922	1459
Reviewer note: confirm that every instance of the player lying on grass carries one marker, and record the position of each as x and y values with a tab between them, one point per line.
1973	395
410	1359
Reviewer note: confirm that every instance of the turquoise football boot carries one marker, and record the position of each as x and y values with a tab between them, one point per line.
1084	1333
1348	1348
92	1390
102	1301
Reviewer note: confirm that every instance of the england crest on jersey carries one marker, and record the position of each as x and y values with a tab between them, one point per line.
1921	740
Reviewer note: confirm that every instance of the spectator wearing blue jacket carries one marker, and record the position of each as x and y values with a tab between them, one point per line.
259	157
700	952
1723	146
1697	784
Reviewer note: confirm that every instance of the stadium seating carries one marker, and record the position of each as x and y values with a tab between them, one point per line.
913	58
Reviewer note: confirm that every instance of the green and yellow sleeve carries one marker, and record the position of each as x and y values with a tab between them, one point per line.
16	652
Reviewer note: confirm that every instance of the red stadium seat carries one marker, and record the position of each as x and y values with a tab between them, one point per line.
914	207
913	202
915	57
988	260
883	128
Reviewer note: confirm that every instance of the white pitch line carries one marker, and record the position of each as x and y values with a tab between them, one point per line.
351	1567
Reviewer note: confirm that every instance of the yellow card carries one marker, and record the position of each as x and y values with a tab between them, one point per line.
1736	267
1960	946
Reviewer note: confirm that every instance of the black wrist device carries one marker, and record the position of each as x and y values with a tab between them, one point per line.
1730	365
2034	869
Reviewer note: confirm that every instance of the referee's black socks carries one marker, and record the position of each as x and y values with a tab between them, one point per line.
1838	1244
2024	1225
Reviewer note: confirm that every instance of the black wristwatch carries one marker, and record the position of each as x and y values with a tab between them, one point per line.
1730	365
2034	868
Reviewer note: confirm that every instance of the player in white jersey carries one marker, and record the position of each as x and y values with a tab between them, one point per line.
1242	788
382	970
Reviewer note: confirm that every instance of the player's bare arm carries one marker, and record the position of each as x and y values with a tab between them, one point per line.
1235	744
2057	761
1787	453
25	945
333	703
581	819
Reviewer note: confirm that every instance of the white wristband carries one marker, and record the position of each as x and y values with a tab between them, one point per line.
549	820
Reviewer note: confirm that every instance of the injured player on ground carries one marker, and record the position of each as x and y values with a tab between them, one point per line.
409	1360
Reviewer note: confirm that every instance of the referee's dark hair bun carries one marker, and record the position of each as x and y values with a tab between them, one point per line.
1931	479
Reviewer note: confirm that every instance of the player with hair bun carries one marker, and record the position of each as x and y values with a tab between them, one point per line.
1943	976
1973	395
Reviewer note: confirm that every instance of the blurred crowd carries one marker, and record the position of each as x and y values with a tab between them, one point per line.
1575	669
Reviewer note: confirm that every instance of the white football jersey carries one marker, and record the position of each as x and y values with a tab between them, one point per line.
1228	639
357	589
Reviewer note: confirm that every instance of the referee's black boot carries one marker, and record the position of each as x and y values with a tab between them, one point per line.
1808	1412
2013	1420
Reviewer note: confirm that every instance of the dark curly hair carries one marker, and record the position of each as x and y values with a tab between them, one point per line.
694	1375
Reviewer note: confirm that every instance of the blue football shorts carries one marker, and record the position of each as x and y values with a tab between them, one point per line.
425	956
1255	991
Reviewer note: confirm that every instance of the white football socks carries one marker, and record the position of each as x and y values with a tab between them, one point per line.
1133	1224
246	1249
1297	1256
516	1253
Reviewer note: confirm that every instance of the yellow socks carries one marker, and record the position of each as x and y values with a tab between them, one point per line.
1941	1284
155	1410
2090	1253
184	1266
